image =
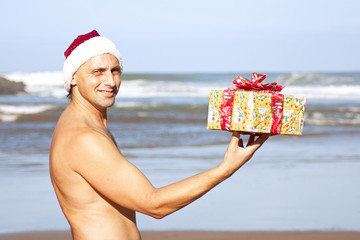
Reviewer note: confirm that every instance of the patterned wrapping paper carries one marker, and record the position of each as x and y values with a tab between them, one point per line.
251	112
215	101
293	115
256	112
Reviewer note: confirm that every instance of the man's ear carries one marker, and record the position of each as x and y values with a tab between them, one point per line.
73	81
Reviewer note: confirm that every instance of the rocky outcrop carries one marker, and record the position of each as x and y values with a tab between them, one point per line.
8	87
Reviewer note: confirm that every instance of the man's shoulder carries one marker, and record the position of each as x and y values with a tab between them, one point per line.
90	137
85	145
83	139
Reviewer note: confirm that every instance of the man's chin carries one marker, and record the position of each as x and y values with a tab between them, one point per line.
106	103
110	104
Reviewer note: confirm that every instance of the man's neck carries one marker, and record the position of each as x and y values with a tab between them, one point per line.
91	113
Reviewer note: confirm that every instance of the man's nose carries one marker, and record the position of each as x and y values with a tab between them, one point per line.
110	81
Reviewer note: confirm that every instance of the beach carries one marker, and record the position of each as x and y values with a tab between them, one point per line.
199	235
294	185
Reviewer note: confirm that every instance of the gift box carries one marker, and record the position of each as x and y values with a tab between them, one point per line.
256	108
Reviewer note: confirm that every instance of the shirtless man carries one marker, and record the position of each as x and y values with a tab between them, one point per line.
98	189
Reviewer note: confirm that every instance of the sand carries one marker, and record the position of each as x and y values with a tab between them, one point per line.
198	235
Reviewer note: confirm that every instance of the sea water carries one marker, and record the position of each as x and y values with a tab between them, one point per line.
304	182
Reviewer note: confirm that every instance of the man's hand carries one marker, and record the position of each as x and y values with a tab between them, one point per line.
236	154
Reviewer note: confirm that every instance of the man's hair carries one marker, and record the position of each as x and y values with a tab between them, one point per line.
69	95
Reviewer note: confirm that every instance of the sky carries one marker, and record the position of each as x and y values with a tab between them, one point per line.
187	35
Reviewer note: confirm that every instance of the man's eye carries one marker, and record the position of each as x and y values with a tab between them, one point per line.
116	71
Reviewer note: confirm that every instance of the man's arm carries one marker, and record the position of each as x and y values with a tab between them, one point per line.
101	164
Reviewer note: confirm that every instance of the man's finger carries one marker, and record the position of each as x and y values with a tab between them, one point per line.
234	142
241	143
259	141
251	139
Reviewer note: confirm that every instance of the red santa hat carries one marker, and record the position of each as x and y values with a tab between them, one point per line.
83	48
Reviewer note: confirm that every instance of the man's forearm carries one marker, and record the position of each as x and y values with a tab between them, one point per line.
173	197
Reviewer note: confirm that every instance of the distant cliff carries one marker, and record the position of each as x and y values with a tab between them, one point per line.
8	87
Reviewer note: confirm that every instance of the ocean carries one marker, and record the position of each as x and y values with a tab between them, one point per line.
307	182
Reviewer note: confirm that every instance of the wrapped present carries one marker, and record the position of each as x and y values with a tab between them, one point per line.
256	108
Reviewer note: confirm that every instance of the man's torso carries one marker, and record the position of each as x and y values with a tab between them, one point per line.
91	215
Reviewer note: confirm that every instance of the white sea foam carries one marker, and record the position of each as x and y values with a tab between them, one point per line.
37	78
43	84
122	104
10	113
313	78
8	118
24	109
340	117
147	89
310	85
126	104
327	92
322	121
158	89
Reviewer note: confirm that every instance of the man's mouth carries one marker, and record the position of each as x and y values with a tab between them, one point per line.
107	93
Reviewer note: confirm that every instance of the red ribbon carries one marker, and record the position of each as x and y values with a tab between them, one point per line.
253	85
226	109
277	102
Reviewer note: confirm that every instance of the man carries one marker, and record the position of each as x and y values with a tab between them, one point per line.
99	190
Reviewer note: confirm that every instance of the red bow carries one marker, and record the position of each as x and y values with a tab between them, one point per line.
255	83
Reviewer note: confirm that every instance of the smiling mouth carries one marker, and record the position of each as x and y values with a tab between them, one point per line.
107	92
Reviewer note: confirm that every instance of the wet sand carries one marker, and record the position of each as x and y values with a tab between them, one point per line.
199	235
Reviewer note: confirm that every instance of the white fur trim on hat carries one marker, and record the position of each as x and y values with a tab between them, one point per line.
84	52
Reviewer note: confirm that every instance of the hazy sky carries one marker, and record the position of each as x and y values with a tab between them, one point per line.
187	35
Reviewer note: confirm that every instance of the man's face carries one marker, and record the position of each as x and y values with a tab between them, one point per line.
98	81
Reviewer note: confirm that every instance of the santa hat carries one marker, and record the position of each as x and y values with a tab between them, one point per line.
83	48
